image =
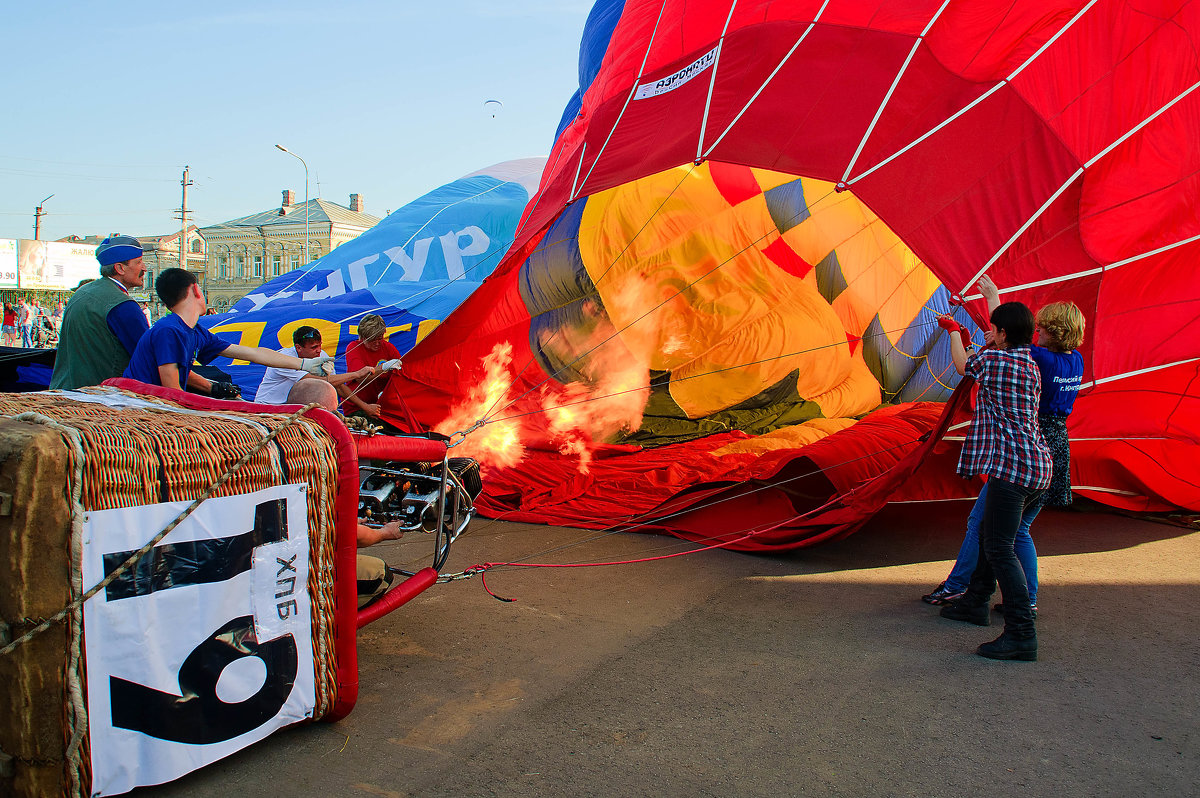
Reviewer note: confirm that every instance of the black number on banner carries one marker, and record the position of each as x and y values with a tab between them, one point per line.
198	716
197	562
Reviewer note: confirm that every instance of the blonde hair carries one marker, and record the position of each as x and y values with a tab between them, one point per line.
1062	324
370	327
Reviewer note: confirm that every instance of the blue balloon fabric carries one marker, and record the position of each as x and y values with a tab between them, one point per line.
413	269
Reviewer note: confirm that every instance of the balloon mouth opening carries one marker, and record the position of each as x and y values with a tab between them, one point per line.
705	299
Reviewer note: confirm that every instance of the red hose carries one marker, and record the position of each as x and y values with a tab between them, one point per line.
401	594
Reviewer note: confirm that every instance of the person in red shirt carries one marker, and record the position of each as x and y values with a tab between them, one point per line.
10	324
371	350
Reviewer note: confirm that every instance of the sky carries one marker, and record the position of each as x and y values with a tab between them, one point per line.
107	102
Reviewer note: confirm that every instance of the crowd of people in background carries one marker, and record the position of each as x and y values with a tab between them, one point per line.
32	322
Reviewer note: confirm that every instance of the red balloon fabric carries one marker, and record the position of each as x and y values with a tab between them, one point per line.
1049	145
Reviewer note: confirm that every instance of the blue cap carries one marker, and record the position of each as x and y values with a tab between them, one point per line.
118	249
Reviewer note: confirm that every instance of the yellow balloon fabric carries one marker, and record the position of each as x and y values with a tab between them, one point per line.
696	294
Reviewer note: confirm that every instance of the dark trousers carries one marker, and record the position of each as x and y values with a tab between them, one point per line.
1005	504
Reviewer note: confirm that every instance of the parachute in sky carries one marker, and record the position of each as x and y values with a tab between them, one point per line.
412	268
717	316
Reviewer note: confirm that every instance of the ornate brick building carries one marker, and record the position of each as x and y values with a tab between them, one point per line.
244	253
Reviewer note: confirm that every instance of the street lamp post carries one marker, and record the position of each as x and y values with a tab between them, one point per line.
297	157
37	219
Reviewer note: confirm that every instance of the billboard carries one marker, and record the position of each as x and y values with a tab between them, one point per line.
8	263
55	265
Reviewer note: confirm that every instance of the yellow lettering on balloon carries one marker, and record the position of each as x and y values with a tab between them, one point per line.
425	328
390	330
249	334
330	333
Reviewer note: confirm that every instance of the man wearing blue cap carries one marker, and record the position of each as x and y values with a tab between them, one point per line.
102	323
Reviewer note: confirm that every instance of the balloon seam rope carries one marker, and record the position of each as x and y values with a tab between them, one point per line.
628	98
1089	272
891	90
1021	230
977	100
537	200
1139	372
769	78
712	81
141	552
1091	162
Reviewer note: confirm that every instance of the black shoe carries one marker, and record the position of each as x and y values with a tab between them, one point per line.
941	595
1032	608
971	613
1005	647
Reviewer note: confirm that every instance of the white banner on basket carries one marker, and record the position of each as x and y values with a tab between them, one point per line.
203	647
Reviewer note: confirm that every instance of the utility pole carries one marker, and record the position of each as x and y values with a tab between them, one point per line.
38	213
183	221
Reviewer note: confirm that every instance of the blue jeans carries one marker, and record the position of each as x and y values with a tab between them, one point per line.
27	336
1003	509
1023	546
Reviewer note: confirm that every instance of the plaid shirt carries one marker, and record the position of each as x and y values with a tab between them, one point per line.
1005	440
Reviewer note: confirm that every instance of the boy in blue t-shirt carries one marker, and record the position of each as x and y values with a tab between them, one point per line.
165	354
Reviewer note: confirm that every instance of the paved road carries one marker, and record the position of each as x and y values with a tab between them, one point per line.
720	674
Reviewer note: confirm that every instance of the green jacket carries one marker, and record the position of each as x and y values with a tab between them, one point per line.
88	352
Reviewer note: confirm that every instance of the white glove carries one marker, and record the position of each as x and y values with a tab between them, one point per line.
314	365
390	365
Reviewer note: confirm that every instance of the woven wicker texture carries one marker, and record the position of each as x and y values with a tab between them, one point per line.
165	453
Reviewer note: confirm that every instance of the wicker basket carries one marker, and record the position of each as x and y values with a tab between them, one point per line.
66	453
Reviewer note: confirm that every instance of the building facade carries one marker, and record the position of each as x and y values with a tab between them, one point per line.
162	252
244	253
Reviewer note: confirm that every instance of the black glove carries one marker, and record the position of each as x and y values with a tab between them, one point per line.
225	390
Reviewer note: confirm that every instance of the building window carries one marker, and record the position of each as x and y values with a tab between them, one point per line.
222	267
239	266
258	265
295	262
276	265
195	246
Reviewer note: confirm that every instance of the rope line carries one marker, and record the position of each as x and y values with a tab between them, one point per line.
631	522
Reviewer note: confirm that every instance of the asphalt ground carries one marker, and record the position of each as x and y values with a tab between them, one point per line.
818	672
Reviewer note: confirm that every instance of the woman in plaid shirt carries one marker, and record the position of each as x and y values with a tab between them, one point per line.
1005	443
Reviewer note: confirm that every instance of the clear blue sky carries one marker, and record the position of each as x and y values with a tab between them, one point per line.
106	102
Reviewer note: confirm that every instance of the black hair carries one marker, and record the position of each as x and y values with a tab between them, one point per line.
172	285
1017	322
305	333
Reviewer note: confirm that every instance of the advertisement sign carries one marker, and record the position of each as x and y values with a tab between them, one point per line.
55	265
8	263
205	645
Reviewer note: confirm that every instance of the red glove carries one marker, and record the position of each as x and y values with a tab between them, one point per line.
951	326
948	324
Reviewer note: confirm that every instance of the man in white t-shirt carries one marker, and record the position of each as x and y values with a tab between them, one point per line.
292	386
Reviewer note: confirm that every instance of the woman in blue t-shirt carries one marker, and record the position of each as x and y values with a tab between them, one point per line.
1059	329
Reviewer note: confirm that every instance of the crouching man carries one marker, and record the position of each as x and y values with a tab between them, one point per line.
293	386
165	354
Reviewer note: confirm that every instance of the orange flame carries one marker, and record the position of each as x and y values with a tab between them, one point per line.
495	443
607	400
